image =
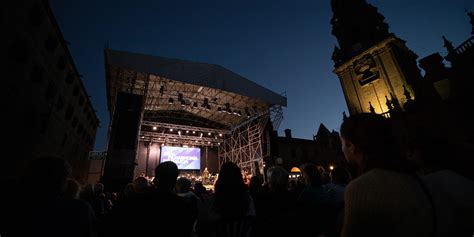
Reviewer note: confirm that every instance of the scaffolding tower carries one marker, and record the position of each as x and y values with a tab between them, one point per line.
249	143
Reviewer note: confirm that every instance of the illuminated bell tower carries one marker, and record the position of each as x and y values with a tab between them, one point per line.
376	70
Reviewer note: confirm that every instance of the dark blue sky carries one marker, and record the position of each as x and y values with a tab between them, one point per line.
285	46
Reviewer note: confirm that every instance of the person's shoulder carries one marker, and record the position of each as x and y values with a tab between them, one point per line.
372	176
363	181
448	176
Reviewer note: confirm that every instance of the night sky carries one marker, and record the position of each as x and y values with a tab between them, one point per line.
285	46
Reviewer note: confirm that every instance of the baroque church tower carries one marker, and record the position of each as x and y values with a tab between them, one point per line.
377	71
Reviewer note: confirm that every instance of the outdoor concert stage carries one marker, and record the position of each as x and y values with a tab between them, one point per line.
195	114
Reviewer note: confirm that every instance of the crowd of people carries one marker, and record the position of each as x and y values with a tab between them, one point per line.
398	191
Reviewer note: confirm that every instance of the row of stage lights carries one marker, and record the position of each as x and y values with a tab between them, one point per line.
154	128
175	140
197	142
221	109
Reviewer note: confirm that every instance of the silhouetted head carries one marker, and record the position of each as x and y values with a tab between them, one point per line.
73	189
199	188
230	179
166	174
340	175
277	178
429	151
369	142
310	175
47	175
140	185
256	183
128	190
231	198
183	185
98	188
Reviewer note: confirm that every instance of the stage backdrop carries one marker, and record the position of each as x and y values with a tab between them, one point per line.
185	158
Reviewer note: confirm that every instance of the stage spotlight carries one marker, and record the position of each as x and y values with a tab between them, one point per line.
209	134
220	134
171	129
179	132
162	89
227	108
200	135
218	143
154	128
194	132
205	104
187	131
143	137
247	112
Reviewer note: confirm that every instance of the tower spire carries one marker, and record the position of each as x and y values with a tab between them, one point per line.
395	102
388	103
448	45
357	26
406	93
371	108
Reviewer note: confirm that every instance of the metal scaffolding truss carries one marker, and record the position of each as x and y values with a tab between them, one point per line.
276	115
246	143
179	140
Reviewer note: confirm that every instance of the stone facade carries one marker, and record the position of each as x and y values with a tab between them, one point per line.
47	107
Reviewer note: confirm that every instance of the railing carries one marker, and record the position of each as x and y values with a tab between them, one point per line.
465	46
386	114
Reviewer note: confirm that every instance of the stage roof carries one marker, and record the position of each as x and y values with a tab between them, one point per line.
183	89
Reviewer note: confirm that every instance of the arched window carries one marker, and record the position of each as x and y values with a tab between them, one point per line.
51	91
37	73
51	43
60	103
74	122
62	61
69	112
81	100
75	92
69	77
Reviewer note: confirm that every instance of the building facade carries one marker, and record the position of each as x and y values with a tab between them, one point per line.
324	150
376	70
379	74
48	109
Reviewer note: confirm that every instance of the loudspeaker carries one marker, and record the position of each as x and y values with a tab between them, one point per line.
126	120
